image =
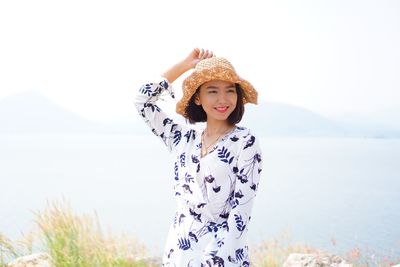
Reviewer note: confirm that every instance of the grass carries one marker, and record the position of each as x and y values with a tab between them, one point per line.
79	241
273	253
74	241
6	249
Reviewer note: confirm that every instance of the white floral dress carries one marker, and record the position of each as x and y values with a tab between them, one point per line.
214	193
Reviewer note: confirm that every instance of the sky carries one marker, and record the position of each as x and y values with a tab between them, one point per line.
90	57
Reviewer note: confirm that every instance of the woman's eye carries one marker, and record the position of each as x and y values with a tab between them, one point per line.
212	92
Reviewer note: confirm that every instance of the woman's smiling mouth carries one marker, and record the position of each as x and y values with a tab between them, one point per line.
222	109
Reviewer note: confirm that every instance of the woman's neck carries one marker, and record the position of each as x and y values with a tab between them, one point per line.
217	128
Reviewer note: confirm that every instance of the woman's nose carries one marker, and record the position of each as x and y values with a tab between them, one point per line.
222	97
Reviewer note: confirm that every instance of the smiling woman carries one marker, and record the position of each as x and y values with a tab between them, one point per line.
217	170
217	94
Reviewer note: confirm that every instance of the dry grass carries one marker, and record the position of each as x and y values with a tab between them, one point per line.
7	250
74	241
273	253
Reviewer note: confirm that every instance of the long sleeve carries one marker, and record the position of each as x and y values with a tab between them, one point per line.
160	124
232	241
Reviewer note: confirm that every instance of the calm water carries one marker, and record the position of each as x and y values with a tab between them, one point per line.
313	189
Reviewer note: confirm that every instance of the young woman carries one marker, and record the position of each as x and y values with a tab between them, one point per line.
217	170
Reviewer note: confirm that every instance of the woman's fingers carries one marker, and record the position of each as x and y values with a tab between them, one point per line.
201	53
197	55
205	53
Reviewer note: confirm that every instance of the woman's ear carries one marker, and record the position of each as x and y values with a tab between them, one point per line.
197	99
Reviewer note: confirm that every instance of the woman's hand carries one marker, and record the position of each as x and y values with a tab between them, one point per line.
188	63
196	56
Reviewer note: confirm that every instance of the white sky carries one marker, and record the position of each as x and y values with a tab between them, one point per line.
91	56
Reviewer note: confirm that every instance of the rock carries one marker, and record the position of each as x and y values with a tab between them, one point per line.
151	261
34	260
315	260
44	260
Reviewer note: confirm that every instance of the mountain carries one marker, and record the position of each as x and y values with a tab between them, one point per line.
276	119
31	112
378	124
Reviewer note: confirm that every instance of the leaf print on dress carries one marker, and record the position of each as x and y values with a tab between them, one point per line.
216	189
240	225
167	121
196	216
201	205
188	134
152	106
146	89
239	254
240	257
234	203
187	189
224	155
209	179
231	259
243	178
176	172
224	215
234	138
181	217
189	178
184	243
164	84
218	261
182	159
250	142
177	137
195	159
193	237
249	167
220	242
239	194
157	91
170	253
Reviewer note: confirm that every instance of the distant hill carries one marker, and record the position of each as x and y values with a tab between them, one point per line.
276	119
379	124
31	112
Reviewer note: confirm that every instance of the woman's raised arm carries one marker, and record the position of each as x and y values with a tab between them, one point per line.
186	64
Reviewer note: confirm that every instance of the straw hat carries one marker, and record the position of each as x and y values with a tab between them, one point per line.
214	68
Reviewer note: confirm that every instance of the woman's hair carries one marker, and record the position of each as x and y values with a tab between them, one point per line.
195	113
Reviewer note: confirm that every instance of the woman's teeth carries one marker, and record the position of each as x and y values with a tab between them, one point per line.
221	109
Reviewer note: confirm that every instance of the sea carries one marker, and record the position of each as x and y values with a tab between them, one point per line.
335	194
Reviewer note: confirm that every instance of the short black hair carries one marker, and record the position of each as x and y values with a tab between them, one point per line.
195	113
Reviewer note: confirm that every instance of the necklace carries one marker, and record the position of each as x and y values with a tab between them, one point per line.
204	147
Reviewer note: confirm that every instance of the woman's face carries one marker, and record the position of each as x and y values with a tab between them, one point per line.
218	99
